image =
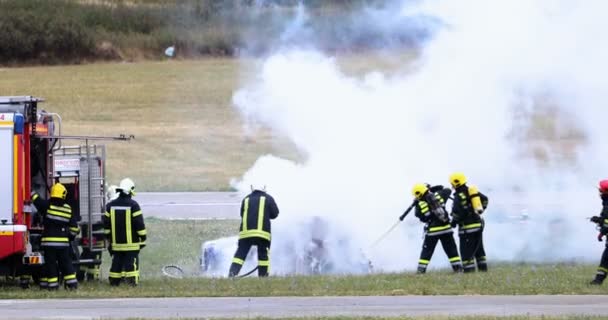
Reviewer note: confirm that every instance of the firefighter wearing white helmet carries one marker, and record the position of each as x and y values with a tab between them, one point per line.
467	207
257	209
126	233
430	209
60	227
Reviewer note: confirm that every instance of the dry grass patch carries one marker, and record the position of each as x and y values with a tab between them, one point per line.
188	135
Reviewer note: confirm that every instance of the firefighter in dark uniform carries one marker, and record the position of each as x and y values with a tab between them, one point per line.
126	233
602	223
60	227
430	209
257	209
468	205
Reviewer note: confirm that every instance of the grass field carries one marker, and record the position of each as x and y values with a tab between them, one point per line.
178	242
188	135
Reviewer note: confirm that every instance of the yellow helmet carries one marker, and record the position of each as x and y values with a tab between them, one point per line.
419	190
58	191
457	179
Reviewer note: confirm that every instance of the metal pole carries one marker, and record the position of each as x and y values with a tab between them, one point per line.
90	213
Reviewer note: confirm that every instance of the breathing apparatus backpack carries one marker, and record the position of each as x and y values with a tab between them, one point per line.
436	206
479	201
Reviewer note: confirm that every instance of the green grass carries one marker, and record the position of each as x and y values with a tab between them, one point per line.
502	280
178	242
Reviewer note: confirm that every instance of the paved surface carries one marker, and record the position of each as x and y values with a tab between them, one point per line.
303	306
190	205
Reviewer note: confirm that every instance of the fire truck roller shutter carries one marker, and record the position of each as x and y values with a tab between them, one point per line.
7	166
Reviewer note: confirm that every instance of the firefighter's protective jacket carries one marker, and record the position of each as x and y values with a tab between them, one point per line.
59	223
462	211
257	209
434	226
123	224
603	223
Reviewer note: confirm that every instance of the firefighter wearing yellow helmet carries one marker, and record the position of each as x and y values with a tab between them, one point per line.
125	230
467	207
60	227
430	209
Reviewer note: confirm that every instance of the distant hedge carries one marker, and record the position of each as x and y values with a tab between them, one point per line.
71	31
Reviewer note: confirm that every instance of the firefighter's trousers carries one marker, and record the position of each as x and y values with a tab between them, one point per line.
244	245
472	251
125	264
449	246
602	270
58	258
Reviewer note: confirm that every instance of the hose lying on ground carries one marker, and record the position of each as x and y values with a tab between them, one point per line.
173	271
176	272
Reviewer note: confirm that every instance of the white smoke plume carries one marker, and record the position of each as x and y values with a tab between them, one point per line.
468	105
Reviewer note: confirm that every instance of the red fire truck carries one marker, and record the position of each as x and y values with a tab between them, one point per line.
33	156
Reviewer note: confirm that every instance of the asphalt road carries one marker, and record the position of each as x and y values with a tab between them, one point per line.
303	306
190	205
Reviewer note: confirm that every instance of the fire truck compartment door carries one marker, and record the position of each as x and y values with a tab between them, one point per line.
6	171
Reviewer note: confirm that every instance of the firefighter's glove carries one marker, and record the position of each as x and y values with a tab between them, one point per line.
110	249
600	237
453	223
596	219
142	245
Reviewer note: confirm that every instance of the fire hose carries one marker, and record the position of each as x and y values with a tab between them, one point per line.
384	235
176	272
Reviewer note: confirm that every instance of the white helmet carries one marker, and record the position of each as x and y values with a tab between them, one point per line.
127	186
258	187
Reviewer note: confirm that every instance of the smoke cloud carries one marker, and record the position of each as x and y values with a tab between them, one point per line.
509	92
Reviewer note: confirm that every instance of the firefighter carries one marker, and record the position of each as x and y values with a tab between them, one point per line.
60	227
467	207
257	209
126	234
430	209
602	222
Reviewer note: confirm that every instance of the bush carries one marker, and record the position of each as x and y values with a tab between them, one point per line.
55	31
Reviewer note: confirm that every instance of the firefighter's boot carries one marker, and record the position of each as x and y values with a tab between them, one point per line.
457	268
131	281
482	265
235	268
115	282
262	271
600	276
599	279
43	283
24	281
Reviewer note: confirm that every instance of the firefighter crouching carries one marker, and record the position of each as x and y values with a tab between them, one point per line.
430	209
602	223
126	233
468	205
60	227
257	209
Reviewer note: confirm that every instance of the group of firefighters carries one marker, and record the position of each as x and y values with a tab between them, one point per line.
123	227
125	231
468	204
